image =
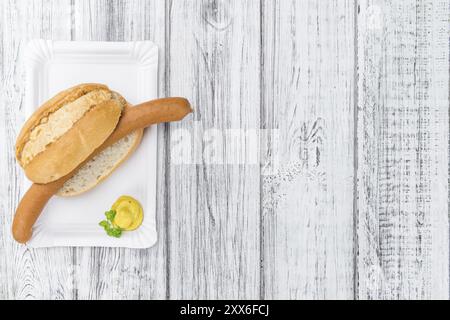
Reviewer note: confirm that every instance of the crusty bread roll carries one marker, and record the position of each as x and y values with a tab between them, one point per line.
101	166
66	130
132	119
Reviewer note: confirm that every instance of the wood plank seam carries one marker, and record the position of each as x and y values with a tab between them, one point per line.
168	8
355	154
262	109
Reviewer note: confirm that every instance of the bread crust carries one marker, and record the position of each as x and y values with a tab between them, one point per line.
65	154
143	115
52	105
137	141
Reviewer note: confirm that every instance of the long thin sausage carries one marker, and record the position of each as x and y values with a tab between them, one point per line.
139	116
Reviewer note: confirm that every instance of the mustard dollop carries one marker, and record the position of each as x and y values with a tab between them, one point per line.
129	213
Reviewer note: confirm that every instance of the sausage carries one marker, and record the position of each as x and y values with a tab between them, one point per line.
139	116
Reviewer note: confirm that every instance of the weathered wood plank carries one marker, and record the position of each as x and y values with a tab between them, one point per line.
110	273
3	17
308	58
5	285
210	214
25	273
403	132
214	247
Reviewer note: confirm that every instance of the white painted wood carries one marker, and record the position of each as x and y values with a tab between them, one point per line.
403	132
72	273
307	207
237	231
26	273
214	243
106	273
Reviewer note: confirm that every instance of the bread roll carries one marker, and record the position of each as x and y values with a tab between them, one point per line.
66	130
101	166
132	119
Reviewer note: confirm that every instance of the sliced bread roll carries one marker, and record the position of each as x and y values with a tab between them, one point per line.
101	166
66	130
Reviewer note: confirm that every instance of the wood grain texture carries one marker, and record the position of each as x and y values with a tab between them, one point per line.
26	273
351	198
63	273
214	219
112	273
403	132
307	200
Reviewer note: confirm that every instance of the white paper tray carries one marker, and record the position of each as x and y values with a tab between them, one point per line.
129	68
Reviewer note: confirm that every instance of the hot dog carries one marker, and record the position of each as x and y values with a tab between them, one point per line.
133	118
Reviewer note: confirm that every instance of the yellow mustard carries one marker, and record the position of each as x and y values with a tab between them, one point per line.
129	213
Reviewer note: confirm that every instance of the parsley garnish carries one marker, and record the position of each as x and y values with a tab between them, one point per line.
108	225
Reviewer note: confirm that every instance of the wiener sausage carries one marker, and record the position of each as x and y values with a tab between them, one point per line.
139	116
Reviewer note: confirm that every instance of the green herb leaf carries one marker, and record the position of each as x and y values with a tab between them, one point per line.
110	215
111	231
115	232
104	224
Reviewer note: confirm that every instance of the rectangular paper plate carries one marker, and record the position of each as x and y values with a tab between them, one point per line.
131	69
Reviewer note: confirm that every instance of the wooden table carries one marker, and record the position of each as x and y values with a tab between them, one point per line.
349	195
